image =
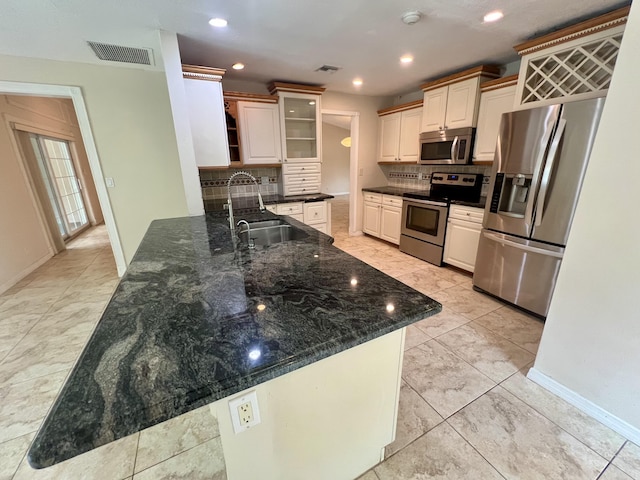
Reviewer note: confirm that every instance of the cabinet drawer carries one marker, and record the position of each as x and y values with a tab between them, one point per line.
302	179
372	197
288	169
392	200
469	214
301	189
289	208
315	212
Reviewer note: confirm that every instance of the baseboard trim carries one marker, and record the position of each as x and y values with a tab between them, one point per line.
587	406
16	278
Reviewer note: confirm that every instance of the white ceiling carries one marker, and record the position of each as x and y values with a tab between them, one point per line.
288	39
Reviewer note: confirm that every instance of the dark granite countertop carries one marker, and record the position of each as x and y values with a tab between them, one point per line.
216	204
197	318
397	191
479	204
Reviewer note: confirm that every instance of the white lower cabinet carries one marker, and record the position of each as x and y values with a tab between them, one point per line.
382	216
314	214
463	234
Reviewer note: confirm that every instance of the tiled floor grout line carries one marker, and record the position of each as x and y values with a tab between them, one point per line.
557	425
22	459
473	446
172	456
135	458
41	316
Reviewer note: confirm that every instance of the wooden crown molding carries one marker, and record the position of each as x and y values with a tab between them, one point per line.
294	87
482	70
499	83
249	97
400	108
203	73
597	24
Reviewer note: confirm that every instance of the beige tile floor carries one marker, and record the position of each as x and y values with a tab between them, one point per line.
467	410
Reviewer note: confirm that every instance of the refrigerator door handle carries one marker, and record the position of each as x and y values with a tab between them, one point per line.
520	246
528	213
454	150
548	168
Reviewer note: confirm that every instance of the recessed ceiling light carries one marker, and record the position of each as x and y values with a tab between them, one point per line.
406	59
237	66
218	22
493	16
357	82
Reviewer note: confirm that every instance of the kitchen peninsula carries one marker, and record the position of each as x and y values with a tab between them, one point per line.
198	318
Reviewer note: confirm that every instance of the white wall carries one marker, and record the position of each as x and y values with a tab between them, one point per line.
591	341
131	121
335	160
368	108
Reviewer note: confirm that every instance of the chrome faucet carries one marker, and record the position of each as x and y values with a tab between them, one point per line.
250	241
232	225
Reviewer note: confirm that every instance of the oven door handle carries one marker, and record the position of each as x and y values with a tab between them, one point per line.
455	146
520	246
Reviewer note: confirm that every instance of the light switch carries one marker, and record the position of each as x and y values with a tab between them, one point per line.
109	181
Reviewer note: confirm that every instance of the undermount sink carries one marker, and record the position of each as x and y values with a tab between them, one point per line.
268	232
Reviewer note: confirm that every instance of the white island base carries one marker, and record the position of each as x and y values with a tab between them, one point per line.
329	420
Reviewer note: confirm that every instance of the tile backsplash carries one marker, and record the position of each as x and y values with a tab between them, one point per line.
419	176
214	183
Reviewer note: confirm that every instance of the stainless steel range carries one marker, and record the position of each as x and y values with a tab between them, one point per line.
424	214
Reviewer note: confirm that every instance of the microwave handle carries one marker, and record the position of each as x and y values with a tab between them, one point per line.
454	149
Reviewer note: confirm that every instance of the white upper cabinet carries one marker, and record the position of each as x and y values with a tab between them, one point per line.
497	97
452	102
435	109
462	104
206	116
260	133
388	137
573	63
409	147
398	133
300	121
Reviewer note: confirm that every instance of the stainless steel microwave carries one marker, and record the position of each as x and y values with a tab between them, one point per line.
447	147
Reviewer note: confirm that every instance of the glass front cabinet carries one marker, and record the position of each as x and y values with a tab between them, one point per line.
300	121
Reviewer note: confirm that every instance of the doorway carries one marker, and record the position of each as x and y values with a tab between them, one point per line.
339	167
75	95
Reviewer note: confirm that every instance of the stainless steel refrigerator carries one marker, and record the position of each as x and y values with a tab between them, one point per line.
540	160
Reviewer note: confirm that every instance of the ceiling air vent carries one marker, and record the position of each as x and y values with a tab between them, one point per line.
327	68
117	53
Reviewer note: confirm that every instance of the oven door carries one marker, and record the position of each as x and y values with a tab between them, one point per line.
424	221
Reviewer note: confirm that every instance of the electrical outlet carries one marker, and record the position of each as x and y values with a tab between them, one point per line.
244	412
419	175
264	180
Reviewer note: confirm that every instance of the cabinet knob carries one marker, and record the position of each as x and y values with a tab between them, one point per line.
302	168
